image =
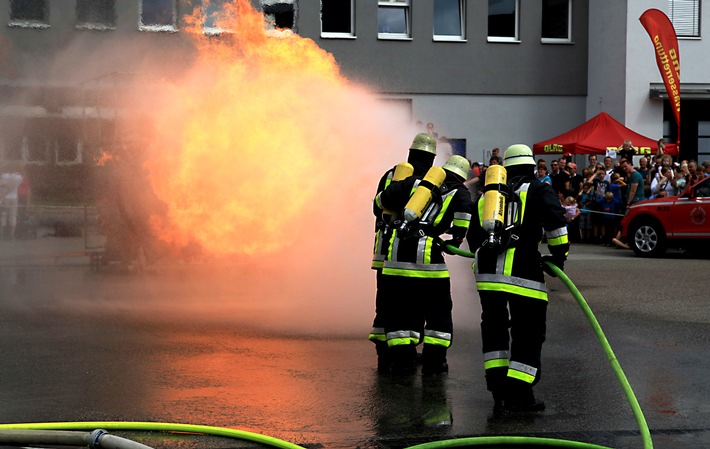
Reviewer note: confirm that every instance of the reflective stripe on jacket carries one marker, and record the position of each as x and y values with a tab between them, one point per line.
517	268
418	256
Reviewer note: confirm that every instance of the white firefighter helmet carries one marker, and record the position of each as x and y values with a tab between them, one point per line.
518	154
424	142
458	165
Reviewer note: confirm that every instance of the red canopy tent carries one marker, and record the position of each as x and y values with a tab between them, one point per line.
596	136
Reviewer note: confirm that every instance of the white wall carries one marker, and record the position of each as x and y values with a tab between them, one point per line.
642	114
489	121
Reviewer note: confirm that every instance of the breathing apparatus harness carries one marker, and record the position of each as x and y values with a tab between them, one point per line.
422	206
502	209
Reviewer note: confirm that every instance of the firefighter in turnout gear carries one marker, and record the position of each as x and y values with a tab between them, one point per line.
420	159
418	287
511	283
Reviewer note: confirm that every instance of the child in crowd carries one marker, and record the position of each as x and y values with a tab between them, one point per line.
584	201
572	215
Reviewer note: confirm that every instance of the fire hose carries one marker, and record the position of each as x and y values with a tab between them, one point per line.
486	441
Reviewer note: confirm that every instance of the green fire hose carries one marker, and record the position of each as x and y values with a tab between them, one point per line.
488	441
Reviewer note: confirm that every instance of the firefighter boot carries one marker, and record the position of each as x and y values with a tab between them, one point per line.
384	360
403	358
496	382
519	397
434	360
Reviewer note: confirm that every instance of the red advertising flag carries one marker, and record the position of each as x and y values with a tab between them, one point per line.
665	42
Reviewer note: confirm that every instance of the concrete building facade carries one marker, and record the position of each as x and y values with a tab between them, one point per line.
486	73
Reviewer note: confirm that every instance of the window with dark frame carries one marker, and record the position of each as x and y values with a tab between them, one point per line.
337	17
29	11
158	13
448	18
503	19
685	16
211	12
282	15
96	12
393	19
556	19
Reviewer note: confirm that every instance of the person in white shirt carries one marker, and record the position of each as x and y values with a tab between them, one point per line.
10	180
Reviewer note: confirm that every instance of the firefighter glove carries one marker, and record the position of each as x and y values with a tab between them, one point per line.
558	261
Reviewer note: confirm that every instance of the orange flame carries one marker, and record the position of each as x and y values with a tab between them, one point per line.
264	141
103	158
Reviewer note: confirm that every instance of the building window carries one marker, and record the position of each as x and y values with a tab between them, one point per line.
158	15
96	14
685	16
211	13
703	140
280	14
337	18
556	21
393	19
29	13
449	20
503	21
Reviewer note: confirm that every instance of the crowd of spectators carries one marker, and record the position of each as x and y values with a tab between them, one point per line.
596	196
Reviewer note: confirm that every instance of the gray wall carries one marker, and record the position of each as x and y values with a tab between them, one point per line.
422	65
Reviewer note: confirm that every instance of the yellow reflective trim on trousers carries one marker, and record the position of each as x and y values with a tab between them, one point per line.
436	341
521	291
416	273
377	264
402	341
525	377
495	363
561	240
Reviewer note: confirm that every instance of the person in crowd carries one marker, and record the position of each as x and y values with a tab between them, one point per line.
473	183
430	130
584	203
663	185
592	158
572	216
626	151
10	181
494	160
706	167
418	279
600	186
542	175
634	192
661	150
421	156
608	168
610	210
692	175
644	169
540	163
664	161
678	181
576	180
561	179
511	284
615	187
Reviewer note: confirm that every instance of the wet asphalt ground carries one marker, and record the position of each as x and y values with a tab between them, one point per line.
113	345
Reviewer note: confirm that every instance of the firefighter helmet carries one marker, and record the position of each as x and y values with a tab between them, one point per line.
518	154
458	165
424	142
